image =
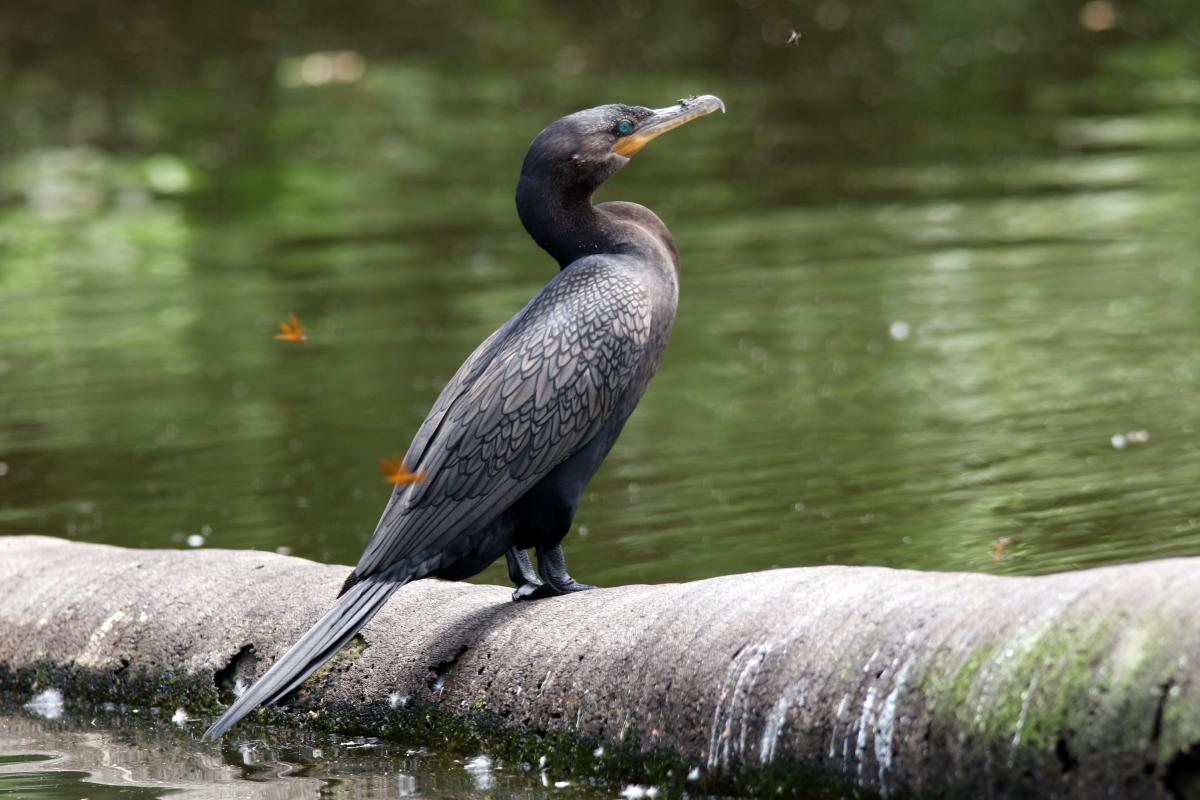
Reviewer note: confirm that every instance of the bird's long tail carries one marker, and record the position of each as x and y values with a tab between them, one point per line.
354	609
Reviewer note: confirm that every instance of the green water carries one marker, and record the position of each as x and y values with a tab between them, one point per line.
934	259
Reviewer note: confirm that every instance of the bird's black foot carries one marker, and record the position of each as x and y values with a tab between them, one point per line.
521	573
546	590
555	580
528	591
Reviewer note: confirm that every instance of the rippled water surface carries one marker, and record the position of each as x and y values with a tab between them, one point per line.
940	282
107	754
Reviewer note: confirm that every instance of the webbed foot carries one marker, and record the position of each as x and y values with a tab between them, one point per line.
547	590
552	564
522	574
528	591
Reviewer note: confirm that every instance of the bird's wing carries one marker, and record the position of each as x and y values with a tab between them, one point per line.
533	394
463	379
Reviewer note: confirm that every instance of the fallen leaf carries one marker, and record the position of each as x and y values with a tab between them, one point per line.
396	472
291	331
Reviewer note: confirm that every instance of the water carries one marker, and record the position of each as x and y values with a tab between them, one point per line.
929	273
117	754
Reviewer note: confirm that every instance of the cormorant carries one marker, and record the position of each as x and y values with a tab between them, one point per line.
520	429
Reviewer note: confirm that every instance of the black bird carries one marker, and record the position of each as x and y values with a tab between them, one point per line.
523	425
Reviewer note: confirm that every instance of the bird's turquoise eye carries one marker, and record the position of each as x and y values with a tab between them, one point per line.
624	127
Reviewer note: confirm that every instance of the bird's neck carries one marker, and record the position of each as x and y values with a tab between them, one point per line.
565	223
561	219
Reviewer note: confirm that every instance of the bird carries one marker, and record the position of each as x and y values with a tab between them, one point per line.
513	439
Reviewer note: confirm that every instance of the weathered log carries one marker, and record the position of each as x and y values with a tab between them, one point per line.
1083	684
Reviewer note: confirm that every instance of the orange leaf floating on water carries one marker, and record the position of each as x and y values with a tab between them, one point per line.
394	470
998	553
291	331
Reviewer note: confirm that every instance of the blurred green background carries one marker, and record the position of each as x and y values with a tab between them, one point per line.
941	271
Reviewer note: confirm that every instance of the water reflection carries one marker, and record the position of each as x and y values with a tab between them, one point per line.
119	754
930	271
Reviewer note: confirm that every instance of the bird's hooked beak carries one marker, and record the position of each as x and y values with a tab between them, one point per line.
666	119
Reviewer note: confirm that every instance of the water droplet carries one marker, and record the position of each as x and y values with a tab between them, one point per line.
47	704
480	768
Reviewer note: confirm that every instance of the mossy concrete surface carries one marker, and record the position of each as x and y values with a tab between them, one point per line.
1083	684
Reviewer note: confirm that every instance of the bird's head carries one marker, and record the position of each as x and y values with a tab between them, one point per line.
584	149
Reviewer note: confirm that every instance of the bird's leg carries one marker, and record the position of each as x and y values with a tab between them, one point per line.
552	565
520	572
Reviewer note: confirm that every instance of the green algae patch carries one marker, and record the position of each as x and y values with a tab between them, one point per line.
343	660
195	693
949	692
1039	699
